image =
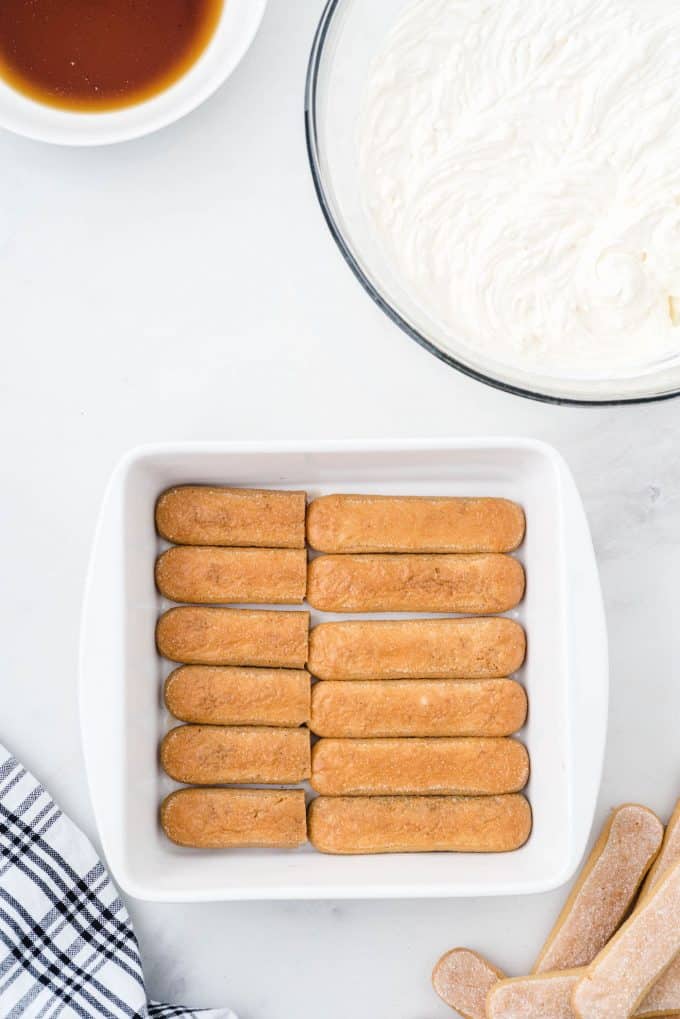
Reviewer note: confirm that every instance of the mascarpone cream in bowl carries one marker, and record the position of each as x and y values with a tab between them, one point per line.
517	167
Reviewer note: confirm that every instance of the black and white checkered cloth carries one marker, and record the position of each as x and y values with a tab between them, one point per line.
67	947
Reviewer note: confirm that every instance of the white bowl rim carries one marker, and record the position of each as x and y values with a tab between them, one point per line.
236	28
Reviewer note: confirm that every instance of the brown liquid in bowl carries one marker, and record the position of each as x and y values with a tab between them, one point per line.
96	55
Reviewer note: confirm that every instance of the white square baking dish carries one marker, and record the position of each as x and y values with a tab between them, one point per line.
122	716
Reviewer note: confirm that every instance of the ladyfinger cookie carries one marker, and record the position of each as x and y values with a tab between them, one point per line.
418	707
664	996
193	573
245	517
350	825
215	636
229	818
619	978
462	978
669	855
416	649
544	994
550	994
229	695
212	754
388	523
460	767
476	584
605	889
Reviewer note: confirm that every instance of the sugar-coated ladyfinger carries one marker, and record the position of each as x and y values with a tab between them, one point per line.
669	855
604	890
664	996
544	994
215	636
387	523
212	754
418	707
350	825
193	573
476	584
416	649
233	695
245	517
620	977
462	978
229	818
460	767
550	994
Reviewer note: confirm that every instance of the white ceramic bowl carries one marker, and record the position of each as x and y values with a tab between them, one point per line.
235	31
123	720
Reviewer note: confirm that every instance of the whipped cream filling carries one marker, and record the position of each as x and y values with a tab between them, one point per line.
520	162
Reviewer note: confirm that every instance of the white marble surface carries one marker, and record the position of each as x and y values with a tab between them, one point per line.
183	287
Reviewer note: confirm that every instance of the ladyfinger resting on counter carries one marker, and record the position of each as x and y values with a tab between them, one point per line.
627	975
605	889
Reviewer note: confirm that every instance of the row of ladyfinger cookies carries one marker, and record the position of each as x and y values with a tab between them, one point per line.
593	964
219	818
254	518
479	584
232	695
217	755
440	648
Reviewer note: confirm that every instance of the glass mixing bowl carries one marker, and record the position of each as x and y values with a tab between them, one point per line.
349	35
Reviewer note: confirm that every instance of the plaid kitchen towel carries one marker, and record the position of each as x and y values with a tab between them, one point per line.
67	947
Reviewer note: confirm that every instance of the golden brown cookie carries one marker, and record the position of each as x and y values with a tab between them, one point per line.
213	754
228	818
233	695
351	825
215	636
246	517
193	573
418	707
380	767
475	584
387	523
416	649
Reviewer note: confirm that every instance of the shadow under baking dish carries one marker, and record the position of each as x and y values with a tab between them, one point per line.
565	674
